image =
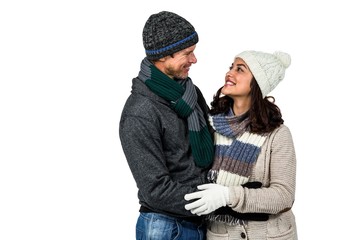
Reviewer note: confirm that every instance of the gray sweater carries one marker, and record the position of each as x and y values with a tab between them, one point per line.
156	146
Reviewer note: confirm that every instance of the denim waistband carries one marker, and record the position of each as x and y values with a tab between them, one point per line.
188	221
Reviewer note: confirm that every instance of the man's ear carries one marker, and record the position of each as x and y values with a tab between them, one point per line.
163	59
159	63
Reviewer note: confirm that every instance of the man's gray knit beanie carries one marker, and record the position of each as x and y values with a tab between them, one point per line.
165	33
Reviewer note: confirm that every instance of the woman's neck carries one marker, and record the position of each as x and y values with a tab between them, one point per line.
241	106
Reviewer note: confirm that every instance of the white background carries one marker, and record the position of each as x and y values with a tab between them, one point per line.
66	69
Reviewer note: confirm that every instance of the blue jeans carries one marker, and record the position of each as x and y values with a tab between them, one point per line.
154	226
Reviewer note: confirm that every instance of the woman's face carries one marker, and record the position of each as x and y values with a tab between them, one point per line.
237	80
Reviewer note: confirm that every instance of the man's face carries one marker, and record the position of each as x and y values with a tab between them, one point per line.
178	65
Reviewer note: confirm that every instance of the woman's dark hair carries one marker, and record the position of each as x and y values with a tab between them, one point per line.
264	114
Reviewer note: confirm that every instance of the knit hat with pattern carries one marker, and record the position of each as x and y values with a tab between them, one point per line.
268	69
165	33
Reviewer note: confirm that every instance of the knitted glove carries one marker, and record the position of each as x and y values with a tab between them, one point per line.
212	197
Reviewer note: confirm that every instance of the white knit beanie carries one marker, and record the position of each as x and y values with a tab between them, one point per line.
268	69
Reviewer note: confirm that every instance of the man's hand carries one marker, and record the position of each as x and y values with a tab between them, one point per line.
211	197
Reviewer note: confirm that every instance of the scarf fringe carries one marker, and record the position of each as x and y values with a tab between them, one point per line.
225	219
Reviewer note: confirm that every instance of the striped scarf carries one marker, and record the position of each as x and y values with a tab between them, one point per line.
182	96
236	152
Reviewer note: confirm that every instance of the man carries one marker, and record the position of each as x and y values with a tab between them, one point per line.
164	131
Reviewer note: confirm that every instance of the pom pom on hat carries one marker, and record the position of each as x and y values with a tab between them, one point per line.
284	58
268	69
165	33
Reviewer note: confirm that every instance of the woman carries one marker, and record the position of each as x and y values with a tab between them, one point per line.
253	176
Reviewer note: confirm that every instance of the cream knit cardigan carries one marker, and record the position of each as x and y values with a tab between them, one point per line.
276	169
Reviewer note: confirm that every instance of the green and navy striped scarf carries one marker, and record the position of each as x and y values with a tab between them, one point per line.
236	149
182	96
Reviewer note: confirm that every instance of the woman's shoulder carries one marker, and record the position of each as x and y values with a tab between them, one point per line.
282	133
283	128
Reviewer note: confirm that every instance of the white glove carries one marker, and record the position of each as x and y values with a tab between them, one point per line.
212	197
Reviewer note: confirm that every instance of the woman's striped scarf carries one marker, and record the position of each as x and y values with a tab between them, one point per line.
181	94
236	149
236	152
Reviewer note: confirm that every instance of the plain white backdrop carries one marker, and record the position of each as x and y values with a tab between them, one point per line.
66	69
